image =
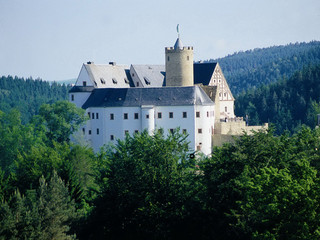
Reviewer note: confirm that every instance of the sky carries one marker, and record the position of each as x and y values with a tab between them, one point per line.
51	39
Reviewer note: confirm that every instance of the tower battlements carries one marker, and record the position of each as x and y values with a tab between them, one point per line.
169	49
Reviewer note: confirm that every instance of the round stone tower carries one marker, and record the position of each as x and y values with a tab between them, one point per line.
179	65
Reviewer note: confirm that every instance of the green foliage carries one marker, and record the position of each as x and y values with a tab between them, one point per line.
287	104
146	188
253	68
45	214
61	120
27	95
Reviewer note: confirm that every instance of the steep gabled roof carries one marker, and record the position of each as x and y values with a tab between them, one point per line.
202	72
133	97
150	75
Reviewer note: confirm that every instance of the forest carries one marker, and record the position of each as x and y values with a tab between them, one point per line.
261	186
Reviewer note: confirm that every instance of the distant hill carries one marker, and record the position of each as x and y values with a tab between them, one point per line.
27	95
253	68
287	103
66	82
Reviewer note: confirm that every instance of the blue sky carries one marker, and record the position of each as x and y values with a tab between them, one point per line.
51	39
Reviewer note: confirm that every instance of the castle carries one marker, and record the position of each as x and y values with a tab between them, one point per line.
194	97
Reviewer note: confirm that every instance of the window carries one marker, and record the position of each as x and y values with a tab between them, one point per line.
170	114
197	114
168	58
171	130
97	131
126	80
159	115
132	74
97	115
207	114
184	131
111	116
126	132
111	137
160	131
200	130
84	83
187	58
83	130
147	80
225	109
114	81
89	115
89	132
102	81
137	84
184	114
198	148
136	131
225	94
92	115
136	115
147	116
72	97
125	116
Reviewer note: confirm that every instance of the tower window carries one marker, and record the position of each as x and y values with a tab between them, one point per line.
170	114
225	109
207	114
187	58
72	97
168	58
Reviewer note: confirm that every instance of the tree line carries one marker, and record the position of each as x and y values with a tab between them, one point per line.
288	103
253	68
261	186
29	94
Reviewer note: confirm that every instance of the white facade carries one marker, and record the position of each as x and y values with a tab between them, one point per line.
109	124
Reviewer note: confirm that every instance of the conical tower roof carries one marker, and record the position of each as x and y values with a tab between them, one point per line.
178	44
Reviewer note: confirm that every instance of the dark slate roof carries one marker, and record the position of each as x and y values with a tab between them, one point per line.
81	89
133	97
202	72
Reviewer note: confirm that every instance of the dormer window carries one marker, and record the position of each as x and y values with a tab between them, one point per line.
114	81
103	81
84	83
126	80
95	83
147	80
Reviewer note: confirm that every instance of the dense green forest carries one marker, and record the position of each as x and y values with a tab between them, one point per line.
252	68
261	186
28	95
287	103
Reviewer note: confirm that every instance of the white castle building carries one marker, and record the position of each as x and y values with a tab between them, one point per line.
194	97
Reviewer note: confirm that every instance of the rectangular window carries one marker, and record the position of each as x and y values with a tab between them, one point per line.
225	109
200	130
171	130
184	114
83	130
97	131
111	116
147	116
159	115
89	115
92	115
84	83
207	114
137	84
125	116
72	97
97	115
89	132
136	116
136	131
126	132
111	137
184	131
197	114
170	114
